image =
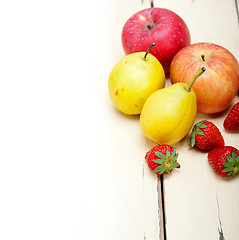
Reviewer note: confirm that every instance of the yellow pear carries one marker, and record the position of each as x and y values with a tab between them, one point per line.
133	79
169	113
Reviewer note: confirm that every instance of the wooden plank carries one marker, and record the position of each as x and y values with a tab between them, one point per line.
237	8
199	204
71	166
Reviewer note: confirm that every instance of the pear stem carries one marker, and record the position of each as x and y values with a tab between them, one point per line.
152	44
198	73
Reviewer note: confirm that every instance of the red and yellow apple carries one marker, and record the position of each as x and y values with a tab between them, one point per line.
218	86
163	27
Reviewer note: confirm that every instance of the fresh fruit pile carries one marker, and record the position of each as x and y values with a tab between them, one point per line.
204	78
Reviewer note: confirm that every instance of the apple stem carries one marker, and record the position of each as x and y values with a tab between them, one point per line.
151	3
152	44
203	57
198	73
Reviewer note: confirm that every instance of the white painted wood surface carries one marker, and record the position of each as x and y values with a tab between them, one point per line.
72	166
199	204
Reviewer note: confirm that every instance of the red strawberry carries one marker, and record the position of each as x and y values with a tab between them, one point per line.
231	122
162	159
205	135
224	160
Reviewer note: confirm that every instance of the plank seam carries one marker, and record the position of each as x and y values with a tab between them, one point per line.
161	208
151	3
220	231
237	10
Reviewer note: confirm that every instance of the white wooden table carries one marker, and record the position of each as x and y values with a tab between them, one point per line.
71	165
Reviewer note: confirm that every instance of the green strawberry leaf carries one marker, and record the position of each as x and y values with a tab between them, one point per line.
196	130
174	152
160	155
201	122
227	169
199	132
202	126
160	169
232	166
156	169
176	165
192	140
229	159
230	174
168	154
234	155
227	164
166	162
158	161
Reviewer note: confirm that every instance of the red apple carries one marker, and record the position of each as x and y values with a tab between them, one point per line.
163	27
218	86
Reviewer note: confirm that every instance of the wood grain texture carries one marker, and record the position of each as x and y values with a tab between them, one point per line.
200	204
237	9
71	165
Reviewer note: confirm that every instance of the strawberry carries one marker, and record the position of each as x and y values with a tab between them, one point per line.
205	135
231	122
162	159
224	160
